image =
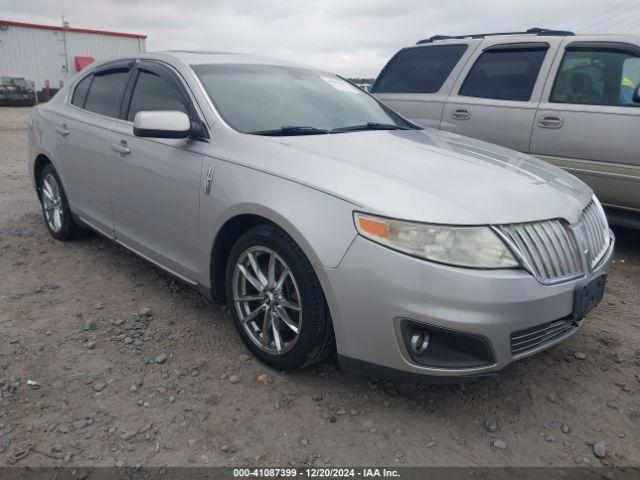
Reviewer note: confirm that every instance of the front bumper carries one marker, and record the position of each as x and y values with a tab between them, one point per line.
374	287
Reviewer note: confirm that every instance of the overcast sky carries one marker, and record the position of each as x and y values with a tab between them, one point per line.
349	37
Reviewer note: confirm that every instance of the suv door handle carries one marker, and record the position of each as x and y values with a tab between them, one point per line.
62	130
461	114
121	148
550	121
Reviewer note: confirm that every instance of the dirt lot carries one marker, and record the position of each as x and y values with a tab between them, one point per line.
121	385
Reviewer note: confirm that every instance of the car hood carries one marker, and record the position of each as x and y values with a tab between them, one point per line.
423	175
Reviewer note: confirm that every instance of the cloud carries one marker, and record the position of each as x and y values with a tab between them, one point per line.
350	37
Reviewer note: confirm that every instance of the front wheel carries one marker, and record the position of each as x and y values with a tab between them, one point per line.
276	300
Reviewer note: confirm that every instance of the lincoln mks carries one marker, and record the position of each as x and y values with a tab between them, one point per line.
324	220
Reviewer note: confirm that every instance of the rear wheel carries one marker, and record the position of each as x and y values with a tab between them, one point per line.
276	300
55	207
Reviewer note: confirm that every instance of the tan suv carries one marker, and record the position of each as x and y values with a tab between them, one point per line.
569	99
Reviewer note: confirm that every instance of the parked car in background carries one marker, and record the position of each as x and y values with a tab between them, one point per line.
17	92
320	216
570	100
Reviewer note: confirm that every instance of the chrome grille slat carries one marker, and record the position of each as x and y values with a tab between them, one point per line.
552	250
539	335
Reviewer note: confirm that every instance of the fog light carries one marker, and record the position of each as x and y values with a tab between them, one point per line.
419	343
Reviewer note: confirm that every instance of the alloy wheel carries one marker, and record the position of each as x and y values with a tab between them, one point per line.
52	203
267	300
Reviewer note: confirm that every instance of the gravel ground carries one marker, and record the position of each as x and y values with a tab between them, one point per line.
134	368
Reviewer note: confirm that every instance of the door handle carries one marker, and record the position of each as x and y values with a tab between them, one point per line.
121	148
550	121
62	130
461	114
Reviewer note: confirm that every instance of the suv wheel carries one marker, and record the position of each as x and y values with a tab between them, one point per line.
276	300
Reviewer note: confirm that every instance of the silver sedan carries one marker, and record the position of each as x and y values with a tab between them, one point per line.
324	220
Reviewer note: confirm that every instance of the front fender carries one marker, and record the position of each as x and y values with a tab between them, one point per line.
322	225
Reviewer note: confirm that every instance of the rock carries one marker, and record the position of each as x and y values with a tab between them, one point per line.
367	424
133	389
611	405
304	442
161	358
263	378
91	324
33	384
490	426
14	340
499	444
316	397
128	340
599	449
243	358
172	398
565	428
100	386
57	448
144	312
580	355
549	438
341	411
234	379
80	424
126	436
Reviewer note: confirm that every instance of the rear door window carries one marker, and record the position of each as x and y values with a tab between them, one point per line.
419	69
106	92
153	93
80	92
504	73
597	76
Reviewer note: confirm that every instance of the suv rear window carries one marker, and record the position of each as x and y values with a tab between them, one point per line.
504	74
105	92
418	69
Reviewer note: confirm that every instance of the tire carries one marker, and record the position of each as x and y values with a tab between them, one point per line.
53	200
314	339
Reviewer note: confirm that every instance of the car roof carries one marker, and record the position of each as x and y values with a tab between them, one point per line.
203	57
524	37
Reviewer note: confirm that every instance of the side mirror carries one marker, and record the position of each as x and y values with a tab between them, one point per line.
162	124
636	94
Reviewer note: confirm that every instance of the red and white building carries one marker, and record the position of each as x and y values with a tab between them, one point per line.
50	55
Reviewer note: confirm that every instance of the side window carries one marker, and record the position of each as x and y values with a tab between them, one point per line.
419	69
504	74
105	92
597	76
80	92
153	92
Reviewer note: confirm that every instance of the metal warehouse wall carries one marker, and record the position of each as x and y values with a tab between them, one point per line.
38	54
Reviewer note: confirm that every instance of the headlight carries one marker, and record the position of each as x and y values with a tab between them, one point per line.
475	247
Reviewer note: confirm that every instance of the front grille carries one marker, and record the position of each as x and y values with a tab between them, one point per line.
550	249
596	232
529	339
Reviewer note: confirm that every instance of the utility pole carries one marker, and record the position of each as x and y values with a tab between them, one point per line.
65	27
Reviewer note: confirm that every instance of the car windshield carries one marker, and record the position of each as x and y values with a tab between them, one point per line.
282	100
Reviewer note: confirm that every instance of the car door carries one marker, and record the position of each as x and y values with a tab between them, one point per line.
588	123
496	97
417	80
83	130
155	182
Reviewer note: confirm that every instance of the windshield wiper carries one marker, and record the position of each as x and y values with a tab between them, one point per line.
286	130
369	126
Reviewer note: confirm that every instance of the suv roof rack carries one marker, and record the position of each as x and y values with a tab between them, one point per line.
531	31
